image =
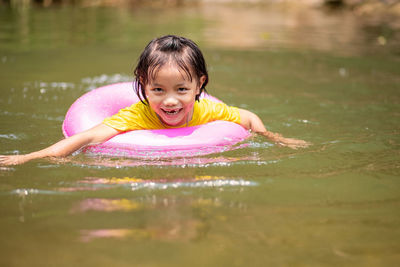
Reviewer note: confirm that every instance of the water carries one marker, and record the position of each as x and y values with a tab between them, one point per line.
322	76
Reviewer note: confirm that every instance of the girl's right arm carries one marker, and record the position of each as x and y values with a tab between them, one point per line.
65	147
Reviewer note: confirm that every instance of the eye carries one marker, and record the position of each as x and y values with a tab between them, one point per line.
157	90
182	90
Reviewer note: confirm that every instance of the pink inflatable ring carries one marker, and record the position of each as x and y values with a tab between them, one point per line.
93	107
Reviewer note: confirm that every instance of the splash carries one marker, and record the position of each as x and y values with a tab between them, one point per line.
95	161
198	182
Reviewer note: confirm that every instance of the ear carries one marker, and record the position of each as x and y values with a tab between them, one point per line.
201	82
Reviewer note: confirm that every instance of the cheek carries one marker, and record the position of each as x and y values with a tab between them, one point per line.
151	97
151	100
190	103
153	104
155	107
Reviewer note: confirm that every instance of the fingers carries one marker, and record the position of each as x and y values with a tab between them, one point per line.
5	160
11	160
294	143
301	145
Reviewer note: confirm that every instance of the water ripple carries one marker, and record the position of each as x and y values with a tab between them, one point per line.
33	191
133	183
93	82
196	184
11	136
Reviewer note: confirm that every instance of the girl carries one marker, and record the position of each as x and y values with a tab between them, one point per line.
170	76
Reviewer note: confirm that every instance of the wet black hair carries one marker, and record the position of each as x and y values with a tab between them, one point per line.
170	48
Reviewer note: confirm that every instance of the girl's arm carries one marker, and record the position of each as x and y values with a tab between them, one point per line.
65	147
251	121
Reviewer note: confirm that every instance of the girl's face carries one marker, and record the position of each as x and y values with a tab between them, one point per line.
171	95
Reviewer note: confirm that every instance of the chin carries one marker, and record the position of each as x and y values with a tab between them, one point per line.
173	124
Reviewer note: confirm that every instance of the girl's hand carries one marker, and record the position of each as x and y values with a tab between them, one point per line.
293	143
13	159
289	142
252	122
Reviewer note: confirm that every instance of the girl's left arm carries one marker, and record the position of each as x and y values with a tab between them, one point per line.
252	122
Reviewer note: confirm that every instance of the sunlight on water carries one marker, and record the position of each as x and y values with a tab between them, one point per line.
32	191
159	184
93	184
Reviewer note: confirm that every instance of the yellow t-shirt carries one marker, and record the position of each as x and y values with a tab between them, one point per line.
141	117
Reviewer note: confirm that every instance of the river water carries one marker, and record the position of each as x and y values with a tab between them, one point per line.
328	77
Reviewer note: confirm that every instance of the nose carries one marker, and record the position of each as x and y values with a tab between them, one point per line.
170	101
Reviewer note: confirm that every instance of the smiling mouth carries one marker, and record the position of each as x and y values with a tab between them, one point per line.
172	112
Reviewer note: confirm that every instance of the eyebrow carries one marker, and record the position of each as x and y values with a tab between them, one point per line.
179	84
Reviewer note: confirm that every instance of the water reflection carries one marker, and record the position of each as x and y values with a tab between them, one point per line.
187	219
179	231
89	235
106	205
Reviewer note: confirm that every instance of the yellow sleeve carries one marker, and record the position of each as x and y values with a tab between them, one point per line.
212	111
129	118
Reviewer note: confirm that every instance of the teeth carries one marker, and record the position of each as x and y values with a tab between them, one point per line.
171	112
